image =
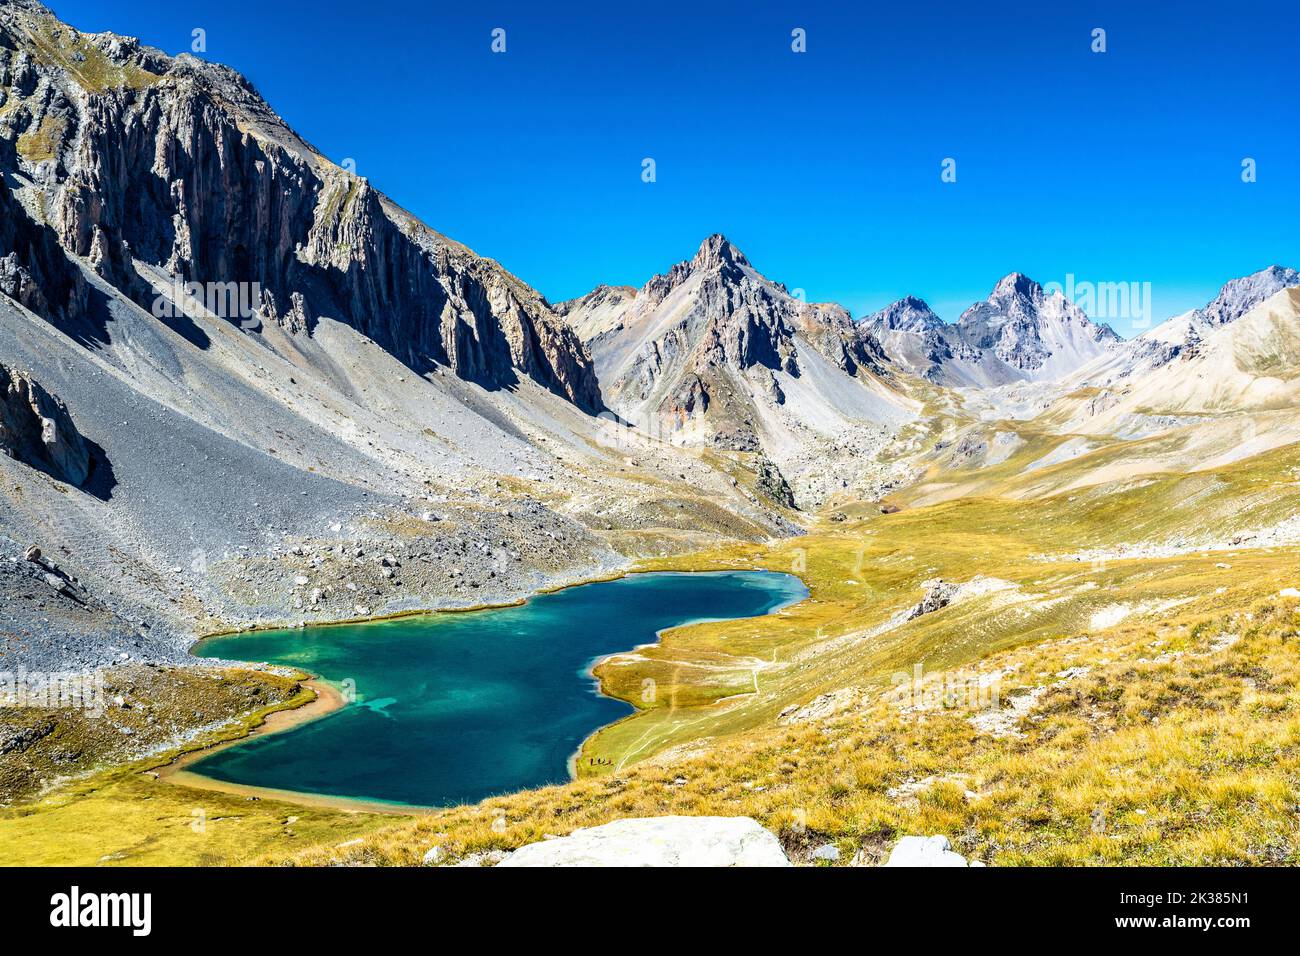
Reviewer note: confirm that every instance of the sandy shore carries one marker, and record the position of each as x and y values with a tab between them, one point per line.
327	701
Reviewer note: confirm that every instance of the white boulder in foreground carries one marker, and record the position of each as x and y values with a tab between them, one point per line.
659	841
926	851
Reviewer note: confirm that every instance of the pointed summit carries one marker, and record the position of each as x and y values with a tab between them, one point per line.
1018	284
715	354
908	314
717	250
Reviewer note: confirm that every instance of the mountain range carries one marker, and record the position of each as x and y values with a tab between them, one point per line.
1019	333
236	375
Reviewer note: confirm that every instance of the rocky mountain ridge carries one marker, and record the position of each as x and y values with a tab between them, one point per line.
134	156
1183	336
712	353
1019	333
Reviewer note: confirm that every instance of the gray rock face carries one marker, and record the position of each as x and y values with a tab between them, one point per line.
1019	333
36	429
1239	296
908	314
702	342
182	165
659	841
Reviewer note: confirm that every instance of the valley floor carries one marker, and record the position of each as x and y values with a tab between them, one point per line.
1038	707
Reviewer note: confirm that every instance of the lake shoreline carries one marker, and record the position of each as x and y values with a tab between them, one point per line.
328	700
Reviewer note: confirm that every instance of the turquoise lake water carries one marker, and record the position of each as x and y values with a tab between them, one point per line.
452	708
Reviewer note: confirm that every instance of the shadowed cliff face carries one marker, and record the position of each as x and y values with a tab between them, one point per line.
36	429
180	165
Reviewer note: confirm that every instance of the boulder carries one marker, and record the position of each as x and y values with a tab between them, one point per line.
828	851
659	841
925	851
938	595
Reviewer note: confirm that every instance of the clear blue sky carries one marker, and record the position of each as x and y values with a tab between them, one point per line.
824	167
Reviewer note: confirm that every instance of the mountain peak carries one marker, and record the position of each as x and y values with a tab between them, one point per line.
448	304
717	249
908	314
1015	283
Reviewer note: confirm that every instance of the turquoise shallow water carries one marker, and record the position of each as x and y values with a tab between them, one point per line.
452	708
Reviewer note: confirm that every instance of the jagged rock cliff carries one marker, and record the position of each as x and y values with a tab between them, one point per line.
36	429
130	156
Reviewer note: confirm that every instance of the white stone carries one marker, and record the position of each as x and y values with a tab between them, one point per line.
659	841
433	856
924	851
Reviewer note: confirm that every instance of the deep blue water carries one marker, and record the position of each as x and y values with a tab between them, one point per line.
452	708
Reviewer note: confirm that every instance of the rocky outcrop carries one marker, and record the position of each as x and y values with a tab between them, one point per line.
180	164
773	484
938	595
36	429
16	739
659	841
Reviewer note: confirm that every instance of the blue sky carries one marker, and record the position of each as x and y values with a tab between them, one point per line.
824	167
